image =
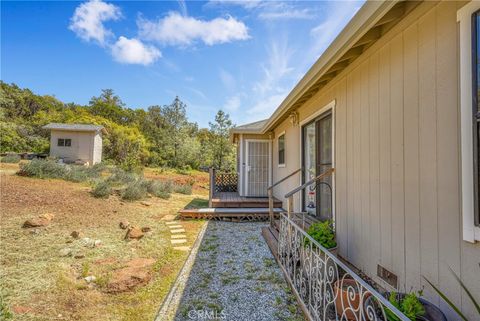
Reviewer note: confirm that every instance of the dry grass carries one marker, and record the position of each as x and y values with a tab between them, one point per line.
41	285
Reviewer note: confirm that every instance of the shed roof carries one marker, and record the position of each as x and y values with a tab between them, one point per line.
75	127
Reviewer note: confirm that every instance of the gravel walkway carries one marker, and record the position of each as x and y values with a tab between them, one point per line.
235	277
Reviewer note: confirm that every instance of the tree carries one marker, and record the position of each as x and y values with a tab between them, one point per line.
223	151
109	106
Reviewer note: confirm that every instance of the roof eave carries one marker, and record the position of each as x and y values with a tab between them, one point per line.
363	20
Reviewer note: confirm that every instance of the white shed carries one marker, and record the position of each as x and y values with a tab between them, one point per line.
76	142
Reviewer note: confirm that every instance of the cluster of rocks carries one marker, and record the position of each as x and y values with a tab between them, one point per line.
40	221
84	242
133	232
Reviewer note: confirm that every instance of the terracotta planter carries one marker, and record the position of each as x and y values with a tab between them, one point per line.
347	292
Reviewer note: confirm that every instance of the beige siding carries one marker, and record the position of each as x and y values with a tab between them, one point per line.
97	148
397	157
81	149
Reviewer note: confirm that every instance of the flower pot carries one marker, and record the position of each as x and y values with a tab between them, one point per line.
348	297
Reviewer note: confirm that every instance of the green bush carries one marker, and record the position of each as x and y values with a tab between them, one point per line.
161	189
323	233
5	313
135	190
102	190
183	189
409	305
43	169
121	177
11	159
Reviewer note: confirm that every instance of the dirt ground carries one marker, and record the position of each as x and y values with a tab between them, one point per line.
38	283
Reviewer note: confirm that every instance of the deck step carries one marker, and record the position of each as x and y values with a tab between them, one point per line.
271	237
229	214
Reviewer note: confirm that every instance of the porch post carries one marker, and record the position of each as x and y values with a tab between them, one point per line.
270	205
290	206
211	190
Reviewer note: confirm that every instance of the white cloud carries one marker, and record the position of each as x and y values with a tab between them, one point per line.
133	51
87	21
183	7
286	14
232	104
176	29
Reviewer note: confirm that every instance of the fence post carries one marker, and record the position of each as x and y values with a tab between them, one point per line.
270	206
290	206
212	186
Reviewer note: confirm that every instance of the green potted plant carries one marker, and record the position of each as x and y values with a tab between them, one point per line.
323	233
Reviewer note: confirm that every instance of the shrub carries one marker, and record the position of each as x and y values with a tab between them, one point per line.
409	305
43	169
161	189
11	159
121	177
323	233
77	173
135	190
102	190
183	189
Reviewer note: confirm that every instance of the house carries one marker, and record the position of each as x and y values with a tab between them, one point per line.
80	143
391	110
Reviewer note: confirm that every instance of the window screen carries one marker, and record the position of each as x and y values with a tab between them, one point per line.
281	149
61	142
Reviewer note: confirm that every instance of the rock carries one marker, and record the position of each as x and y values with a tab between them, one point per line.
20	309
146	203
146	229
90	279
65	252
35	231
97	243
76	234
69	241
137	272
124	224
79	255
134	232
47	216
35	222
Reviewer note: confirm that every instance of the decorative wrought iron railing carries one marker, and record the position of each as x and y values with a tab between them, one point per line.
327	288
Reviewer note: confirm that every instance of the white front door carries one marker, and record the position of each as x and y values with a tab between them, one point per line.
257	168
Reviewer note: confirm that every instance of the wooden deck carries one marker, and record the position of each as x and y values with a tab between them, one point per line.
233	200
230	214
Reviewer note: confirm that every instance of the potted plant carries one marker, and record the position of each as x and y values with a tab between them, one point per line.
348	297
412	305
323	233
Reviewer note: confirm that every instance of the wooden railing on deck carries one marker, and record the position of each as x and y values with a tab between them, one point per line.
221	182
270	192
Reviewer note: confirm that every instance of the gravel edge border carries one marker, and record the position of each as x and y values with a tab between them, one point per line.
168	309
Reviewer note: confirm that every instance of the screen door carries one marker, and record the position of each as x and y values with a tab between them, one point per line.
258	157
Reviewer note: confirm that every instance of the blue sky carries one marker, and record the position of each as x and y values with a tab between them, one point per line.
240	56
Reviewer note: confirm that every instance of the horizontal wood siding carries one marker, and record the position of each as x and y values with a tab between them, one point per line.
397	157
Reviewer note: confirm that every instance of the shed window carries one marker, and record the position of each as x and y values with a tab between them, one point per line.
281	149
66	142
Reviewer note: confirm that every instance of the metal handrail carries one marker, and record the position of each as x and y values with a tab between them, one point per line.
285	178
327	260
310	182
270	192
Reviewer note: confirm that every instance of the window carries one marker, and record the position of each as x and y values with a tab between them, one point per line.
469	20
66	142
476	110
281	150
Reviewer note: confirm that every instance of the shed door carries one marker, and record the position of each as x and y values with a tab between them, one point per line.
258	159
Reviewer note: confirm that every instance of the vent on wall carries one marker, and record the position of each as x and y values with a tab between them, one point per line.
387	276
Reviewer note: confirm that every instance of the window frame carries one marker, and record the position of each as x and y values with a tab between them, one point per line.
469	152
61	142
284	150
69	141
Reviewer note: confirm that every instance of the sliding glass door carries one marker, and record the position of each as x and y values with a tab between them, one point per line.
317	158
